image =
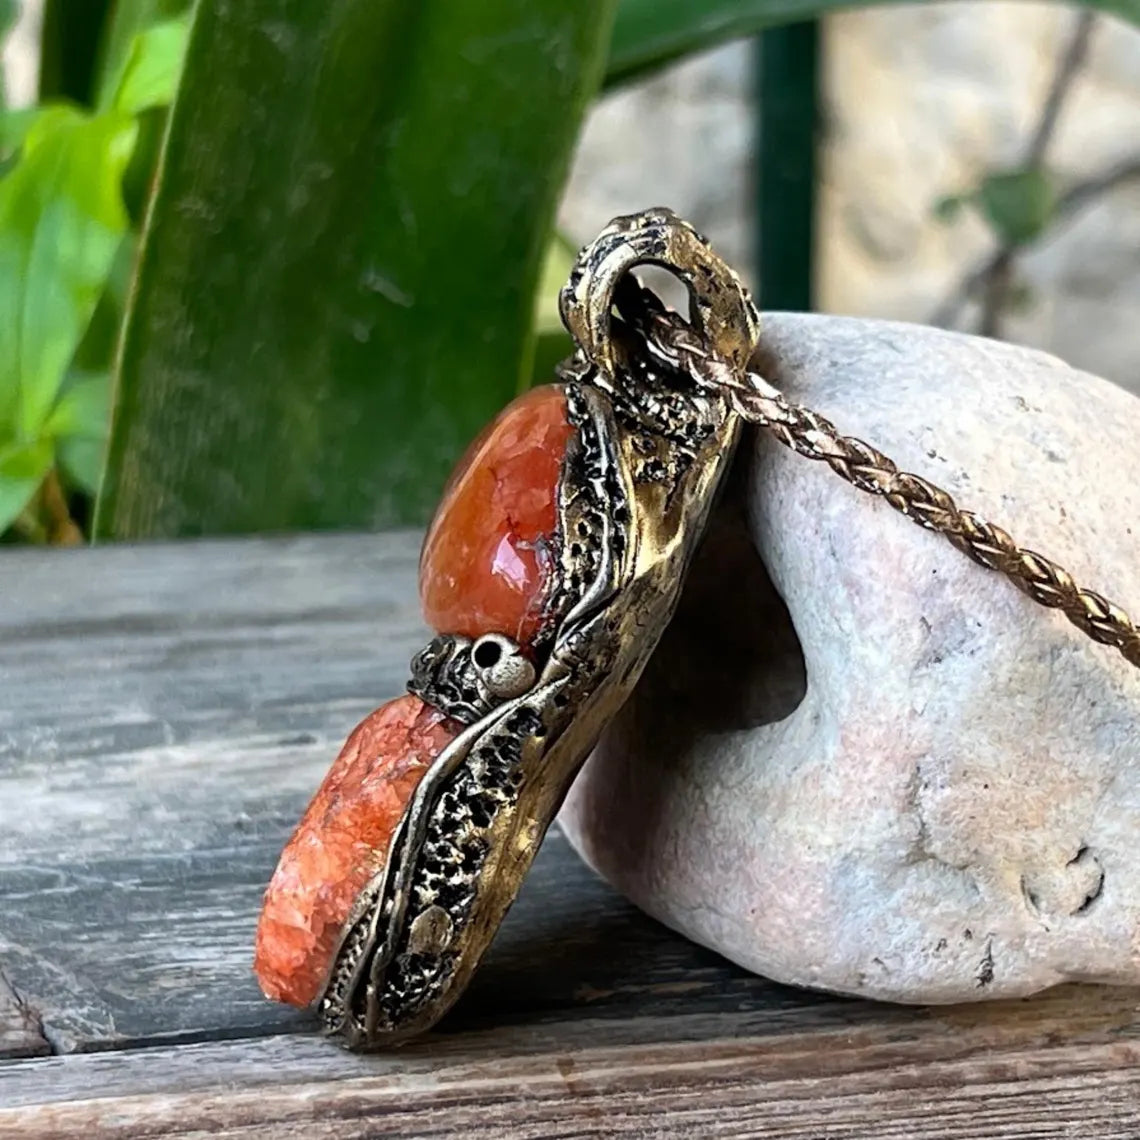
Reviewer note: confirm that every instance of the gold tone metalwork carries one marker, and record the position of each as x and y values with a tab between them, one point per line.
652	446
723	315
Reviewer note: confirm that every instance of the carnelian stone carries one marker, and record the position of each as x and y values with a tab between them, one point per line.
340	843
489	559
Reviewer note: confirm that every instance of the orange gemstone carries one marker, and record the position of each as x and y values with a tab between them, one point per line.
489	560
340	843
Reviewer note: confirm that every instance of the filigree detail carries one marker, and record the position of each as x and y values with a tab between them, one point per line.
468	679
443	675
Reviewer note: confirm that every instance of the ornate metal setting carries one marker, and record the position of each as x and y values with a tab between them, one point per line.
650	449
469	679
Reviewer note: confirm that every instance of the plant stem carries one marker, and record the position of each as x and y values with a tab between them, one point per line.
996	282
61	527
1082	194
1000	276
996	275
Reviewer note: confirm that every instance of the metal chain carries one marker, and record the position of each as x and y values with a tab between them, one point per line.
813	436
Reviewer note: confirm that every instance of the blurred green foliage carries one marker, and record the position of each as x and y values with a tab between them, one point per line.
63	225
336	289
70	37
344	241
1017	205
649	33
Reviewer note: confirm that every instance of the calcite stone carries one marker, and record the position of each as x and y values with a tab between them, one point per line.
860	762
340	843
489	557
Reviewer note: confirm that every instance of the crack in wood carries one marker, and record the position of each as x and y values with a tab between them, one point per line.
21	1030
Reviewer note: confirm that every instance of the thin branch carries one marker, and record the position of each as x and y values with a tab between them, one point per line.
1002	273
1082	194
1072	58
948	312
999	280
995	276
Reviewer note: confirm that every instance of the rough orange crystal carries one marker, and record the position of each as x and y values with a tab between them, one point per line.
489	558
340	843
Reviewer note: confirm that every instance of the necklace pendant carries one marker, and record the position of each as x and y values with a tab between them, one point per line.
552	567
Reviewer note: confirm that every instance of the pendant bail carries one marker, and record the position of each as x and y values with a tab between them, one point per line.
723	316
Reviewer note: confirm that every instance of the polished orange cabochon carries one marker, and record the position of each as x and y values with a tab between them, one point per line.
340	843
489	558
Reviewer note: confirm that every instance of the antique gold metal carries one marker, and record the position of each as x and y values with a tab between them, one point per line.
651	448
723	316
658	404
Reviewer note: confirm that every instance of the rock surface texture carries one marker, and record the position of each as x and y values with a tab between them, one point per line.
859	761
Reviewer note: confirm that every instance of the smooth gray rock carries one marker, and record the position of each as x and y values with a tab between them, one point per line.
919	786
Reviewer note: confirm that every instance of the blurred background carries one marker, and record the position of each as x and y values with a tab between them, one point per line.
294	312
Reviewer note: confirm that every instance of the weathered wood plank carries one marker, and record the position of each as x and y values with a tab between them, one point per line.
796	1041
21	1034
167	711
740	1087
164	713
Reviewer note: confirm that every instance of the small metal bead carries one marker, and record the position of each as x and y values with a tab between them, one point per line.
500	667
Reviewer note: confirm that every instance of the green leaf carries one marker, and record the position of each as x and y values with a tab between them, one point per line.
150	75
130	19
82	462
551	348
336	289
22	470
556	266
14	128
552	342
651	33
97	348
143	63
61	221
78	426
1018	204
84	408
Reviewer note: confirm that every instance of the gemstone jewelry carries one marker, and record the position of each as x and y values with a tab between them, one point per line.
553	565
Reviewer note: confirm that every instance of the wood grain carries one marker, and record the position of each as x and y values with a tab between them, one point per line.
804	1040
167	710
166	713
171	709
803	1086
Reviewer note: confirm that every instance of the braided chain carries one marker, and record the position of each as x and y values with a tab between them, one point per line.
813	436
